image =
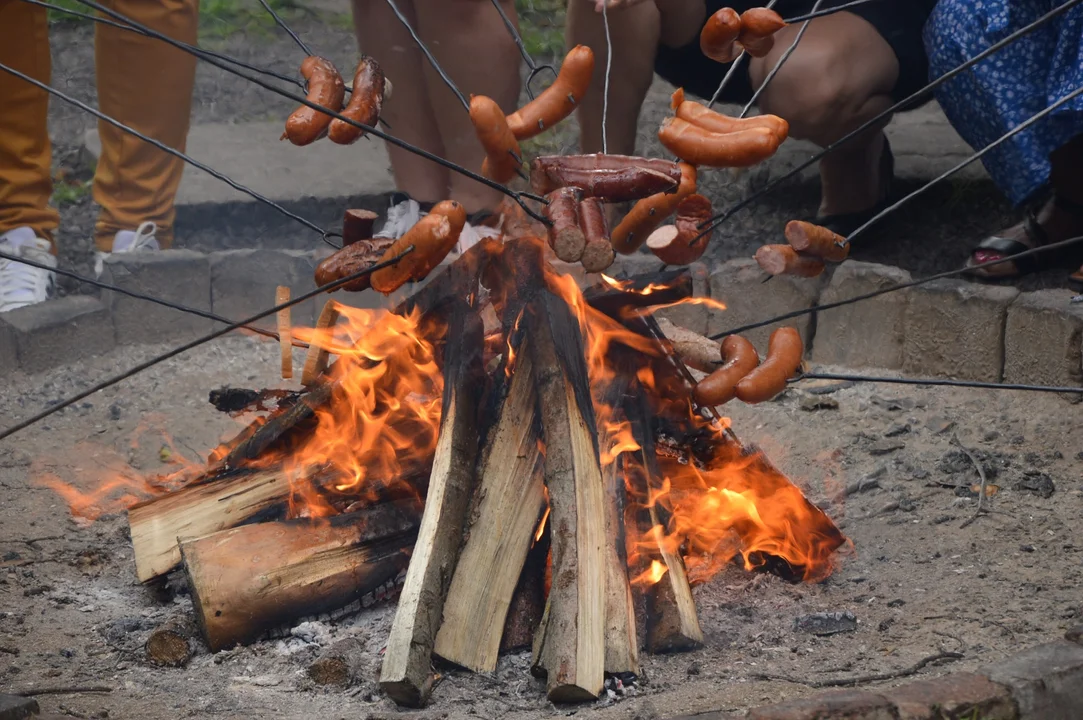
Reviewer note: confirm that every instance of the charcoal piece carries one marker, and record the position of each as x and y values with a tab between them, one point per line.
1036	482
827	623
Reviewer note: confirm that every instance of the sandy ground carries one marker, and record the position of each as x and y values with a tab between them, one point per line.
73	615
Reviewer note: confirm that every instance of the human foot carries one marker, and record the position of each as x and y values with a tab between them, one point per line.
855	187
1059	219
141	239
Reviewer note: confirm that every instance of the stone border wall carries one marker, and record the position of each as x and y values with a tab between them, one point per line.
948	328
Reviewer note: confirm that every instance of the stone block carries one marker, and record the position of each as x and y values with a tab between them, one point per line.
58	332
243	284
15	707
868	333
1042	339
1046	681
833	705
956	329
9	354
179	276
738	284
960	695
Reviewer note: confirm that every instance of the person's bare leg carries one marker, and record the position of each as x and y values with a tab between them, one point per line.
409	111
635	31
828	88
474	48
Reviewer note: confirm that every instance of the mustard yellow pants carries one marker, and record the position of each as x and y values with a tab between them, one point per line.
142	82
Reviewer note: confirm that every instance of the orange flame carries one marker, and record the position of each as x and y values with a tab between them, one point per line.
651	575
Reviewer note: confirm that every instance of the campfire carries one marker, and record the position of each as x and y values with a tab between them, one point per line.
519	460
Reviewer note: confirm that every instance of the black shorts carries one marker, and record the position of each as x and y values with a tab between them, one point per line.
899	22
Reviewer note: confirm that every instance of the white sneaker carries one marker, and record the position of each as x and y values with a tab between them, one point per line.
22	284
401	216
127	241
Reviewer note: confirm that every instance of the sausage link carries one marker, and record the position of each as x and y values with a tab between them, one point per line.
352	259
718	388
501	147
758	28
784	352
812	239
366	103
698	146
565	237
557	101
650	212
456	215
717	39
598	253
701	115
680	243
784	260
325	88
429	237
610	178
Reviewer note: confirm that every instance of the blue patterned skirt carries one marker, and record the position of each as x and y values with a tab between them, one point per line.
1010	86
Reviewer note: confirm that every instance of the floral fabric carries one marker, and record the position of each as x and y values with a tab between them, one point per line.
1010	86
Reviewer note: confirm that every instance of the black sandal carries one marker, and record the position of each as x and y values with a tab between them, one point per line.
844	224
1036	237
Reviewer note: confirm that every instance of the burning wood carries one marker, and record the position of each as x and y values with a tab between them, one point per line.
250	578
406	675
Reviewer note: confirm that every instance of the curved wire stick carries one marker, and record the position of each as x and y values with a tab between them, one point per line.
282	24
535	69
717	220
608	69
191	48
815	13
428	54
935	381
195	343
893	288
175	153
517	196
141	296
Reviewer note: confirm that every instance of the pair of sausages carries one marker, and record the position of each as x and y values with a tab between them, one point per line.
726	34
579	231
810	246
683	242
699	145
743	376
306	125
609	178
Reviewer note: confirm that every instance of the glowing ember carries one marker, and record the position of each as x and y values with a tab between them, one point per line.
651	575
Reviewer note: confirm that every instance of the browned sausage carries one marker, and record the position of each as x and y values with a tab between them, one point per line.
717	39
565	237
758	28
610	178
718	388
680	243
650	212
429	237
456	215
325	88
814	240
698	146
501	147
784	353
784	260
559	100
352	259
701	115
598	253
366	102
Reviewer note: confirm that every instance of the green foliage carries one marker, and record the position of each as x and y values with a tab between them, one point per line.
541	23
68	192
222	18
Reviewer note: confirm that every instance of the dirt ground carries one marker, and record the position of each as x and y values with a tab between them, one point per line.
72	614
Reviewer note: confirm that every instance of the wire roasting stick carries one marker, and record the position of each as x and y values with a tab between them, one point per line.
717	220
190	48
142	296
282	24
936	382
517	196
816	12
893	288
608	69
196	343
175	153
535	69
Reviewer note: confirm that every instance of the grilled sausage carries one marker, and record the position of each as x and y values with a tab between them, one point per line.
325	88
366	103
557	101
718	388
784	353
